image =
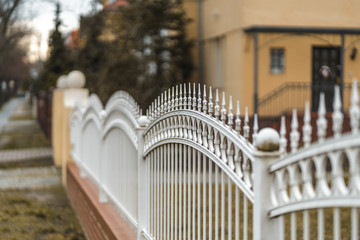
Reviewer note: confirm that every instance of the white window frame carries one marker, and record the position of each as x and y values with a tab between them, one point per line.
277	60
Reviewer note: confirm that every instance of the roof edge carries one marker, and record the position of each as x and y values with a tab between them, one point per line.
292	29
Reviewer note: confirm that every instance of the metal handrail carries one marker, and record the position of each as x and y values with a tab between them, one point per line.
293	95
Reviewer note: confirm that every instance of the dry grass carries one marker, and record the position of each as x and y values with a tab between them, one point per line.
345	217
345	224
23	137
21	117
41	214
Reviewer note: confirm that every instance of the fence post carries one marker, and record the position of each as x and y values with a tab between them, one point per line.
69	91
267	144
143	205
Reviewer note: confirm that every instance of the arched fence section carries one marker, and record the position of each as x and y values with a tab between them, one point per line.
192	168
119	169
105	147
200	167
91	127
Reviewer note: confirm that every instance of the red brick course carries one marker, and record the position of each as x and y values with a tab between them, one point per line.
99	220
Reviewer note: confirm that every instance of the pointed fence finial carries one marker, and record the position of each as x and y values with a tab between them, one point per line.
199	98
194	96
294	134
223	108
185	97
155	109
307	126
217	107
162	105
180	97
354	109
283	140
173	98
211	104
169	100
152	111
255	129
165	102
158	107
189	97
176	97
238	119
230	114
321	121
204	100
337	115
246	125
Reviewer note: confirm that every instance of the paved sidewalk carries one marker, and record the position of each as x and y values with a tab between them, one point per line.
8	109
29	178
33	202
25	154
24	168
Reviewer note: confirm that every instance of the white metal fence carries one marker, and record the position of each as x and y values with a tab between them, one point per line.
188	171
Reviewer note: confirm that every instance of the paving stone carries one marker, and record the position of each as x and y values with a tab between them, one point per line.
25	154
29	178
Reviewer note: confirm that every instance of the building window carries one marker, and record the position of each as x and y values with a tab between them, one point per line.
277	61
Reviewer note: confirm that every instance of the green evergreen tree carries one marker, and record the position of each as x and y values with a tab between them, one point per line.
93	57
152	35
59	61
149	53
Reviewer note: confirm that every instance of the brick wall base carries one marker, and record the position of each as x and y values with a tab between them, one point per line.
99	220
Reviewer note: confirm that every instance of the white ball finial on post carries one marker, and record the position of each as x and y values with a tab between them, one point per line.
61	82
75	79
267	140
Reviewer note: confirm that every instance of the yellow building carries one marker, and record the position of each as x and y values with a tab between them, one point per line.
274	55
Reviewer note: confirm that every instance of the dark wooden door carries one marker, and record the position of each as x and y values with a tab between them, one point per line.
325	60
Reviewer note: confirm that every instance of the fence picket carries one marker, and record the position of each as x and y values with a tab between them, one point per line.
175	200
229	202
354	224
210	199
204	187
306	225
237	214
198	206
320	226
222	207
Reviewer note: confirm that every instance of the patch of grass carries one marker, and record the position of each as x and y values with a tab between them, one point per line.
21	117
38	162
25	139
41	214
19	201
5	230
47	230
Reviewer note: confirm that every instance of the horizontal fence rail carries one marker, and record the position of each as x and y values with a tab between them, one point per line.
187	170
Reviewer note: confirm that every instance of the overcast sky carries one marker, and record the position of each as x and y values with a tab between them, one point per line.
41	13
